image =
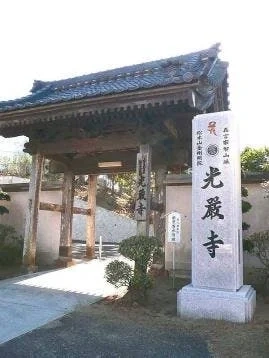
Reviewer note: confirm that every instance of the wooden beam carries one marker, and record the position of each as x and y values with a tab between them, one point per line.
127	157
65	249
90	234
89	163
59	208
51	207
151	132
169	124
20	187
60	159
100	171
84	163
86	145
81	211
168	153
30	235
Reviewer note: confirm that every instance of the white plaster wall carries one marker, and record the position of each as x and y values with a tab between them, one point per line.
111	226
178	197
17	209
11	179
48	233
258	216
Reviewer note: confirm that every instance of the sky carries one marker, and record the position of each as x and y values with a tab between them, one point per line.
56	39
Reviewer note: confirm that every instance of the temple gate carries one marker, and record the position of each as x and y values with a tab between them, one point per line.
132	118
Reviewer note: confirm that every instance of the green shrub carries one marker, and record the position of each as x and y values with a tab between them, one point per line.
140	282
248	245
258	244
246	206
11	246
140	249
8	235
4	196
118	273
10	255
3	210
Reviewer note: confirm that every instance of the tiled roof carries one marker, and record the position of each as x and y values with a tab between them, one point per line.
162	73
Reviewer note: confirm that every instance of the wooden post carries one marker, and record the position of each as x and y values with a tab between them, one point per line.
59	208
159	226
65	250
90	236
142	205
30	235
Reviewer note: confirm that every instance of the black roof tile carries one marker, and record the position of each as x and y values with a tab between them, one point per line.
161	73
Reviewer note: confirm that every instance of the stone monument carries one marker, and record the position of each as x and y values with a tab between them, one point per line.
217	290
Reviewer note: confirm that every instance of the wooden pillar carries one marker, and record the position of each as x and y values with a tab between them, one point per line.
90	233
159	224
30	235
142	205
65	249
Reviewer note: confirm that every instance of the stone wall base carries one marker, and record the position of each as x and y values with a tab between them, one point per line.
197	303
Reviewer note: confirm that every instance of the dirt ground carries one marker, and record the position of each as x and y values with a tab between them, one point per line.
224	339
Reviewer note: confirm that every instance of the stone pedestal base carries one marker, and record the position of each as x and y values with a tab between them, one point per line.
205	303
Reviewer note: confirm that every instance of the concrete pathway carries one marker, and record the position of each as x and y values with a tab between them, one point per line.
28	302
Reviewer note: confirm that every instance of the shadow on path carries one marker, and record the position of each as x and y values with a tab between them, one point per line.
94	334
